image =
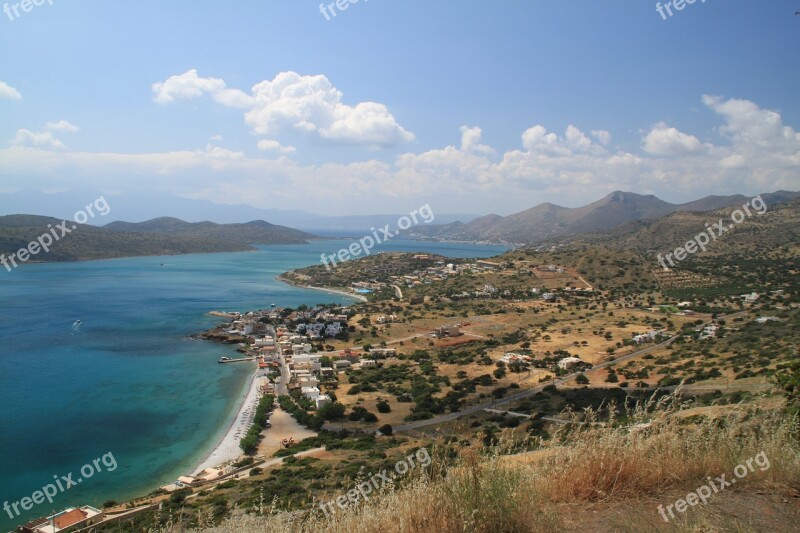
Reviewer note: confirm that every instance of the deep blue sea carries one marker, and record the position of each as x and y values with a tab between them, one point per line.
129	380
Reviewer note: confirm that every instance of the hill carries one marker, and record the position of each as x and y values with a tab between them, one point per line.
155	237
549	221
255	232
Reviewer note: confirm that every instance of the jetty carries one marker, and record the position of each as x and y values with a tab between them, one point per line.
223	360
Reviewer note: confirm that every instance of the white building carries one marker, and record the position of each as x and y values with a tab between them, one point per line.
645	337
710	330
298	349
569	362
264	341
306	358
312	393
510	358
322	400
750	298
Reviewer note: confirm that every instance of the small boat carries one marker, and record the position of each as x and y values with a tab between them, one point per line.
223	359
272	305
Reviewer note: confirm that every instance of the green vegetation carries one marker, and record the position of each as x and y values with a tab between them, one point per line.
249	443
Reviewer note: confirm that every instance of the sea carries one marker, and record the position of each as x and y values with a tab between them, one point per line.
98	367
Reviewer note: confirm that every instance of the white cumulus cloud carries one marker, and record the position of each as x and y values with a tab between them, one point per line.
189	85
268	145
471	138
44	139
755	152
602	136
663	140
7	91
61	125
291	102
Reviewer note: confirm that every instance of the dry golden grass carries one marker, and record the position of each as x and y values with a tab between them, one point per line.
654	452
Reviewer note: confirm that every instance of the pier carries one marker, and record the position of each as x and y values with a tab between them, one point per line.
223	360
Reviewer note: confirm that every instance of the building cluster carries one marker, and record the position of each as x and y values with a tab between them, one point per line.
308	370
510	358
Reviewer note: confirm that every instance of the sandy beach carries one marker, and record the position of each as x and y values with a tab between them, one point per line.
228	448
325	289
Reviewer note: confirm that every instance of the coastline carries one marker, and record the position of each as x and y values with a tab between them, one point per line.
325	289
227	449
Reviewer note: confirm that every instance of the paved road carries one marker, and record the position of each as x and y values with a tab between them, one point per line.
281	388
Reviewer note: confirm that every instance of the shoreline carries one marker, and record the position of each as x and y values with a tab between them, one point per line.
227	449
358	297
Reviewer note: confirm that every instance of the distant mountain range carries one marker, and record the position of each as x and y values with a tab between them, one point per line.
137	207
757	236
162	236
621	219
546	222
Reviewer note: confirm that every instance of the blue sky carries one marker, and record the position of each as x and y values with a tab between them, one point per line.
468	106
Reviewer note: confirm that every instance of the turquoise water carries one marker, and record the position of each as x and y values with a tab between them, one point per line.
129	380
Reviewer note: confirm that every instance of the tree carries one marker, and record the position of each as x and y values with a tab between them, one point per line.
581	379
385	429
384	407
332	411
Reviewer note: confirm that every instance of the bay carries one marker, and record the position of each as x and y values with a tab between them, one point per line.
128	380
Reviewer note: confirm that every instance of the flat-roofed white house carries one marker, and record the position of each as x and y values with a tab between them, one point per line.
312	393
322	401
569	362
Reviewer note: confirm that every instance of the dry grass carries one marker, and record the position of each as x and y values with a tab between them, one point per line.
652	453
